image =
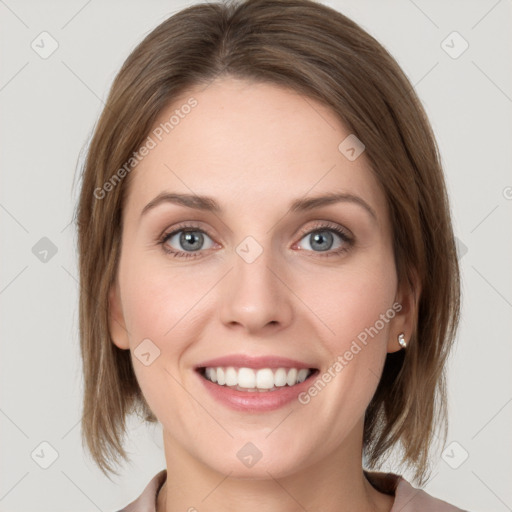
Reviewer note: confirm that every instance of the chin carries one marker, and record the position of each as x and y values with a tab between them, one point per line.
256	460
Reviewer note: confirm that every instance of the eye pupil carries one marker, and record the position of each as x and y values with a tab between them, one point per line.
319	237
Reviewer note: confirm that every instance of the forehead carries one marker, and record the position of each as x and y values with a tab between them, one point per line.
249	145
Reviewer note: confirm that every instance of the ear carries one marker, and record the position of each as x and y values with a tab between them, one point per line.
116	323
407	296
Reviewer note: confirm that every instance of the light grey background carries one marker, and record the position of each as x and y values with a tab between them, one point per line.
48	110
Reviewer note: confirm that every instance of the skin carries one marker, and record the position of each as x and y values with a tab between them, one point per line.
255	148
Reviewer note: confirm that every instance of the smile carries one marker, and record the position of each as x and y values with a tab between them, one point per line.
250	383
255	380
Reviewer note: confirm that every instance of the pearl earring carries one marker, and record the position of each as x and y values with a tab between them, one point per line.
401	340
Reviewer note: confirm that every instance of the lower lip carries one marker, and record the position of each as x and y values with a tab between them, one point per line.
255	401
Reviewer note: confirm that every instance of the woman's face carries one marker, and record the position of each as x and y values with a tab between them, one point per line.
270	281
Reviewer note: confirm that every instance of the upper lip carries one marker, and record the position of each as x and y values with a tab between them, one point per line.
247	361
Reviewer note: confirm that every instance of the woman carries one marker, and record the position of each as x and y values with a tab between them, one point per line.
268	264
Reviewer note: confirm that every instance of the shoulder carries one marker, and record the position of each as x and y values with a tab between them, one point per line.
146	502
407	497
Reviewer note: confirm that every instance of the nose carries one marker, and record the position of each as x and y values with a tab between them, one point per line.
255	296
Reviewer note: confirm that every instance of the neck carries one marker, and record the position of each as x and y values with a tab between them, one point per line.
335	484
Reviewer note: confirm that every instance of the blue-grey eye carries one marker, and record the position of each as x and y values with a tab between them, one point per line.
322	240
188	240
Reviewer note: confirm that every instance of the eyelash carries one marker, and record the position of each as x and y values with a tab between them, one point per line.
324	226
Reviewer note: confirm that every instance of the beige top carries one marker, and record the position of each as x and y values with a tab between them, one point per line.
407	497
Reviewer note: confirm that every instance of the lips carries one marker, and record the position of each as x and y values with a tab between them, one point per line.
254	362
255	384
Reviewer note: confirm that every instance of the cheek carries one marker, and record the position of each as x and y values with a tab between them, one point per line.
158	305
158	302
352	302
357	307
164	312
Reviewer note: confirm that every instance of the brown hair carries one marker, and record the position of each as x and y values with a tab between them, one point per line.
316	51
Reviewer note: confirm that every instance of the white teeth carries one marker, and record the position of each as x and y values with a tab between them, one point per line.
263	379
302	375
231	376
291	379
211	374
280	377
246	378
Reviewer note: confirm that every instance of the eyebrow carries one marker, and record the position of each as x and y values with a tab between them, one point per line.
209	204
